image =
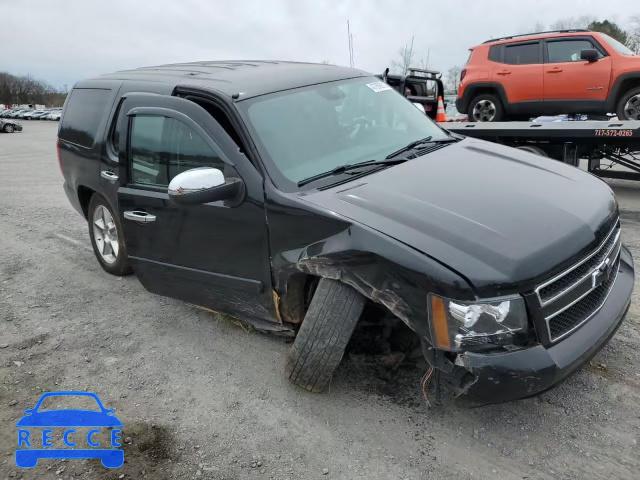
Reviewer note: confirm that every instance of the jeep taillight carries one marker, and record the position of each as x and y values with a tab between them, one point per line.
58	152
463	73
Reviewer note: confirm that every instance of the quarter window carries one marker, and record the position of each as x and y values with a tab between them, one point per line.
163	147
522	54
84	112
494	53
568	50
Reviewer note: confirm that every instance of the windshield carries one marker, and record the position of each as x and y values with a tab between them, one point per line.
617	46
311	130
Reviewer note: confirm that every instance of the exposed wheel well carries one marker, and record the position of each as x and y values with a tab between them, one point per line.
84	196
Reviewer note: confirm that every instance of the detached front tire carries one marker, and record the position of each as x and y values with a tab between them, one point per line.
323	336
486	108
107	237
628	107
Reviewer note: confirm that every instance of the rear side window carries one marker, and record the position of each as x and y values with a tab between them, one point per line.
494	53
85	109
568	50
522	54
162	147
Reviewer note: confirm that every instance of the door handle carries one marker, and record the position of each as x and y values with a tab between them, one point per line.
555	70
109	175
504	72
139	216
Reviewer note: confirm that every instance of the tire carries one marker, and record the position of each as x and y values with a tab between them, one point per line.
628	107
323	336
108	245
490	105
8	128
534	150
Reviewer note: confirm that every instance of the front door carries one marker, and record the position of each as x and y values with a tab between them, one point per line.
214	254
567	77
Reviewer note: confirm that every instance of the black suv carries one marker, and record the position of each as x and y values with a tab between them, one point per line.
292	195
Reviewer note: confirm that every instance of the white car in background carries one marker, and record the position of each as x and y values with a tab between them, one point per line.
55	115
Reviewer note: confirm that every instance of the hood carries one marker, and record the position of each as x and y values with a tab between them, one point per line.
494	214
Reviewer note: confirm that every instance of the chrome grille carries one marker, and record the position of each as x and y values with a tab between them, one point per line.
568	279
574	296
584	309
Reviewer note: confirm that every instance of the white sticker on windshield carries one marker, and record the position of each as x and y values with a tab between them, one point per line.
378	86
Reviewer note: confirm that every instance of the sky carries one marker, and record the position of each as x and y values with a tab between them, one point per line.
63	41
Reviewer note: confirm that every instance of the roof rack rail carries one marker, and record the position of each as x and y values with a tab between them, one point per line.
572	30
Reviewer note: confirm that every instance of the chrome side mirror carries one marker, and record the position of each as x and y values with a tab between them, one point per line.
202	185
420	107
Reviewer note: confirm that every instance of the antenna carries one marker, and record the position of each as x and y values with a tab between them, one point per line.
350	40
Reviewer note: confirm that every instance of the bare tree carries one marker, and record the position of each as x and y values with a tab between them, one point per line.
633	41
452	79
26	89
405	60
573	22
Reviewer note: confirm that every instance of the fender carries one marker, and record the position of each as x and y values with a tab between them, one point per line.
470	91
616	89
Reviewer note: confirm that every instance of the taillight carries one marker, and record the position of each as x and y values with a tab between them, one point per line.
58	152
463	73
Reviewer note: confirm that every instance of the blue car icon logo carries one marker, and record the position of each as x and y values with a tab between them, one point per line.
32	446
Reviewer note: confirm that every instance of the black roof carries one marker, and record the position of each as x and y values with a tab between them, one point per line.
248	78
573	30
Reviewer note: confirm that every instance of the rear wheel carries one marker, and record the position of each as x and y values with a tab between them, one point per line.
629	105
486	108
107	237
324	334
8	128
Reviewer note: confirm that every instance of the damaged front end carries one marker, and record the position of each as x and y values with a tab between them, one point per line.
484	350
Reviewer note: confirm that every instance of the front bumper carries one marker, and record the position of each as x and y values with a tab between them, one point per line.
500	377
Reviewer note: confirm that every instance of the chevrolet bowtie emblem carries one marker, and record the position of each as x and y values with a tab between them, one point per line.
601	274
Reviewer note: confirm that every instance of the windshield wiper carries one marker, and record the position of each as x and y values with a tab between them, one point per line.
417	143
346	168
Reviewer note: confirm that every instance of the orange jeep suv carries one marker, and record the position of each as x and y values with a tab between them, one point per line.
548	73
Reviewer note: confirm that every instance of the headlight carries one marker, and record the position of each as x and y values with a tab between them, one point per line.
457	325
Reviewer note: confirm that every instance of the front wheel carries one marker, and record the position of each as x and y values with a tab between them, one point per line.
486	108
107	237
628	107
8	128
323	336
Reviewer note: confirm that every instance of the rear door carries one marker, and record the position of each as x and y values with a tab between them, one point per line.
567	77
214	254
520	72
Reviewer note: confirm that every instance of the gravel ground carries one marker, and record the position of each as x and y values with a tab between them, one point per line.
201	396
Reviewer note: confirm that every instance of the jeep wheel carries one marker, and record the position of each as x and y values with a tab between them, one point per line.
8	128
485	108
107	237
629	105
324	334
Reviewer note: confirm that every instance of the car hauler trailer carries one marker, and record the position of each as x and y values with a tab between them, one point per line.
603	144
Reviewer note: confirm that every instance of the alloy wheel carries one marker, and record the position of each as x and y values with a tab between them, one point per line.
632	108
105	234
484	111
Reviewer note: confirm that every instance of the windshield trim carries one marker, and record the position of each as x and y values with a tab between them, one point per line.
277	178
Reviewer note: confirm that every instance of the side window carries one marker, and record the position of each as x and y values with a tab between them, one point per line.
567	50
522	54
494	53
82	116
163	147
